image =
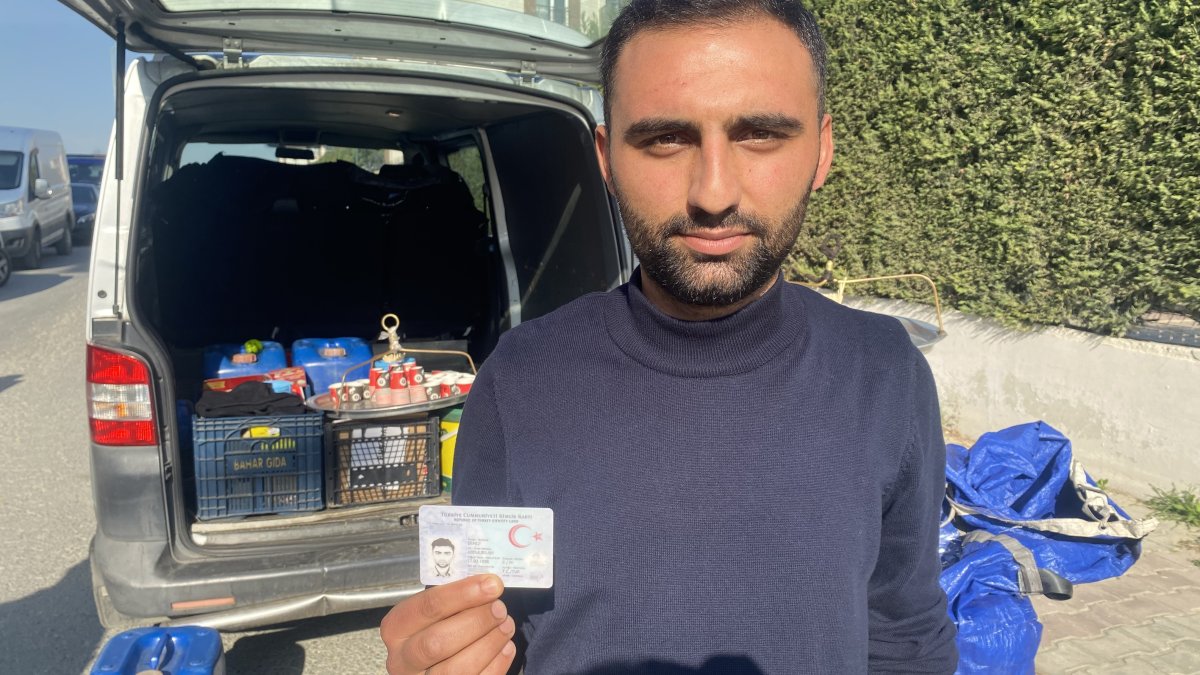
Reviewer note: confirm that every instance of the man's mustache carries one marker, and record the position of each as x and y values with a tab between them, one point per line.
681	225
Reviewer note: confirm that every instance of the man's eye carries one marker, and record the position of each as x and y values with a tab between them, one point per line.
665	144
760	135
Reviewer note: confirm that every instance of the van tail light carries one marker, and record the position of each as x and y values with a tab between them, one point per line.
120	409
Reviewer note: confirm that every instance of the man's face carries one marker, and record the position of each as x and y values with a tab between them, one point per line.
713	146
443	556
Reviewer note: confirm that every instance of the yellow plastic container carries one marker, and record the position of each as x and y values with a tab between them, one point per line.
449	428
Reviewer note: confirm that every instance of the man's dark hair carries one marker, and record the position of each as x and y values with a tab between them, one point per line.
441	542
641	15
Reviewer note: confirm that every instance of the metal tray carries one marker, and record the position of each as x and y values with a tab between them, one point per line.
365	410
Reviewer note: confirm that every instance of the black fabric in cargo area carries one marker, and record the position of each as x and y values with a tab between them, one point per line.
248	247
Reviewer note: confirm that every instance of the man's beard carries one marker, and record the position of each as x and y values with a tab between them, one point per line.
712	280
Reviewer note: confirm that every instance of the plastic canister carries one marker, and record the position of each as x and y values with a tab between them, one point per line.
178	650
232	360
325	360
449	429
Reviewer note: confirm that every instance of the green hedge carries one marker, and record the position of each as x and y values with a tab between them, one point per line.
1039	159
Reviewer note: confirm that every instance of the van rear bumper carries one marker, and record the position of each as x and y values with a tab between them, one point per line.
295	609
144	580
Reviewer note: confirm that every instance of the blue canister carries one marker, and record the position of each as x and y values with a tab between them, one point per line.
325	360
232	360
177	650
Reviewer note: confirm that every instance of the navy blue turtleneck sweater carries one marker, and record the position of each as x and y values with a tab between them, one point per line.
755	494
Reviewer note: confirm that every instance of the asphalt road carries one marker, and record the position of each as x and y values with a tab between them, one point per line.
47	620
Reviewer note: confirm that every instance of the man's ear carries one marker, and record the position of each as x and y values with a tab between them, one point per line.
825	159
601	139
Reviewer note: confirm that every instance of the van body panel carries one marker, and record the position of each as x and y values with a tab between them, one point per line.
584	93
128	494
442	31
106	281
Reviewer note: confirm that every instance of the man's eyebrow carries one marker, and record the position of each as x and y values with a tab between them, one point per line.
767	121
654	126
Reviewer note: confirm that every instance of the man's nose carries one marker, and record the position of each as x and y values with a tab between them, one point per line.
715	187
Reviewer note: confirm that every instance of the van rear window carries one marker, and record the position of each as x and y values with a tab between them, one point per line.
10	170
85	169
369	159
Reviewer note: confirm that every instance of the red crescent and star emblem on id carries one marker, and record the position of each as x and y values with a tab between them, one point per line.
518	537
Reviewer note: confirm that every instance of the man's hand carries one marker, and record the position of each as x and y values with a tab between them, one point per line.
461	627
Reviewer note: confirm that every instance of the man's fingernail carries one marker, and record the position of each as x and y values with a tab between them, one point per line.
499	610
509	626
509	649
491	585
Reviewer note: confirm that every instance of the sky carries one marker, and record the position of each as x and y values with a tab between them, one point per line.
56	72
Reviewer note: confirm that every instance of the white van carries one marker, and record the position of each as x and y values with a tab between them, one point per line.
35	194
297	173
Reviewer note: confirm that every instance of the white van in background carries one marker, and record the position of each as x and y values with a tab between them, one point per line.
35	194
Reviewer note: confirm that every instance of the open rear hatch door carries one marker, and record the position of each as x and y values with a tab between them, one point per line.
564	43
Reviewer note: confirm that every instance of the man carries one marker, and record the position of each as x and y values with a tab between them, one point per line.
725	415
442	551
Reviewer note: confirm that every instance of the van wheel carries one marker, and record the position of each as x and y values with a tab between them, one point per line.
33	259
5	267
65	245
109	616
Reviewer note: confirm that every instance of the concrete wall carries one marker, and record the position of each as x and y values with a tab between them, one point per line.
1130	408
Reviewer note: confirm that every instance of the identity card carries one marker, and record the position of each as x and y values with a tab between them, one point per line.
516	544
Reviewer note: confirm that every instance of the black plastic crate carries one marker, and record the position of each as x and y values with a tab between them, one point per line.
383	461
255	465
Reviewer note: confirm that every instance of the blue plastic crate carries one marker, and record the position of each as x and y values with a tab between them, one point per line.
256	465
178	650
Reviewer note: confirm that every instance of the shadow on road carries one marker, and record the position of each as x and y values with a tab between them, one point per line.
280	651
55	270
29	282
53	630
7	381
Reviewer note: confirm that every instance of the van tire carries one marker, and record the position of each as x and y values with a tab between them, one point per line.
5	267
66	245
33	259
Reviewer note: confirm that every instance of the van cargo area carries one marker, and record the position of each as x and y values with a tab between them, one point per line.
461	212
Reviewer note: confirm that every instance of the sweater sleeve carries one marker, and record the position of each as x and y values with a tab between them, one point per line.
910	631
481	478
480	459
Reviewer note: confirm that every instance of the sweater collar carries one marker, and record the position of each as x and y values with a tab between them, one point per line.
738	343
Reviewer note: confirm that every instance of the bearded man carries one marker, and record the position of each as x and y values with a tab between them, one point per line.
745	476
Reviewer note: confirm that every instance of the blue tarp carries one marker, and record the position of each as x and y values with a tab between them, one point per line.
998	630
1020	482
1022	486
